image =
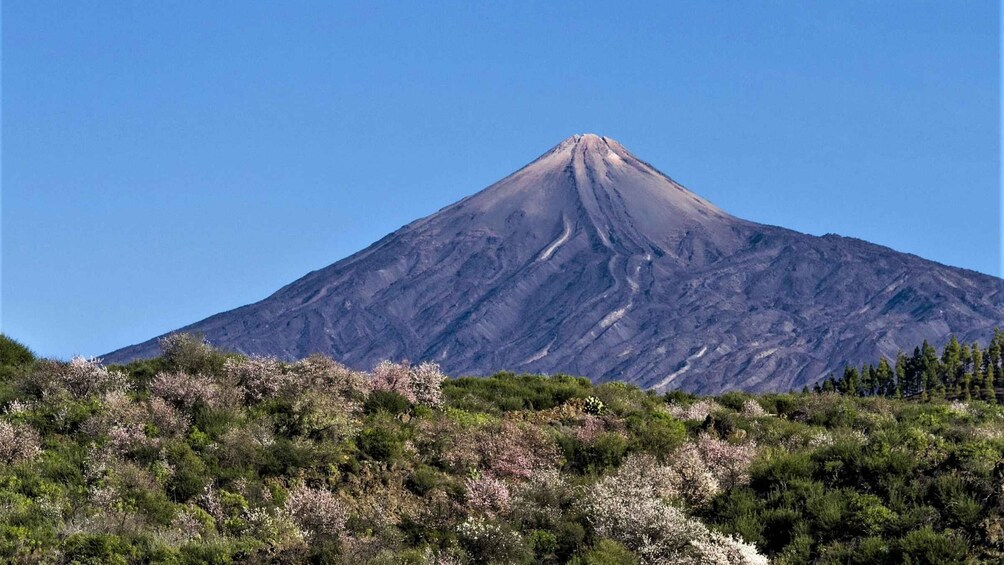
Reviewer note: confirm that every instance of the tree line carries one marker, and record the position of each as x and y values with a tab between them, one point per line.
960	371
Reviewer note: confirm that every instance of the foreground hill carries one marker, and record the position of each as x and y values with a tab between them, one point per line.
590	261
201	457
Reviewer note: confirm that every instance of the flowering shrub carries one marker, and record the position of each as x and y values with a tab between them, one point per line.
87	376
190	353
590	429
514	450
259	377
322	372
717	549
18	442
752	409
255	460
728	462
278	529
186	390
426	384
487	495
633	511
80	377
18	407
242	446
697	411
123	438
544	498
420	384
393	377
209	501
319	414
489	542
168	420
702	469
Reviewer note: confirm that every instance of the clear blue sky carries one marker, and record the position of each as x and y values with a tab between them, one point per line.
164	161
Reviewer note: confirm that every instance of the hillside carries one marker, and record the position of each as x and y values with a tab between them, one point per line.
202	457
590	261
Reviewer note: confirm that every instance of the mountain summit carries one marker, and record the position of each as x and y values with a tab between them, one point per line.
590	261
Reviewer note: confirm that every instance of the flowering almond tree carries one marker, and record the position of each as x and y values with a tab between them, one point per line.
420	384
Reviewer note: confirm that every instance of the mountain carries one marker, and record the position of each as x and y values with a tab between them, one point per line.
590	261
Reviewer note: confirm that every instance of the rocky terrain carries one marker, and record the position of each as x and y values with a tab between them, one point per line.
590	261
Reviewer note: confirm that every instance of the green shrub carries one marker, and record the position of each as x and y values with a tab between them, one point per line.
604	452
98	549
607	552
381	442
930	547
14	354
386	401
206	553
190	475
504	392
657	433
190	353
423	480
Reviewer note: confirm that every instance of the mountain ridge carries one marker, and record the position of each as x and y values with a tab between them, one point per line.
589	260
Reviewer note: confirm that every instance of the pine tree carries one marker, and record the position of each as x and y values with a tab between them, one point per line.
949	369
867	386
934	387
992	381
850	382
884	378
901	376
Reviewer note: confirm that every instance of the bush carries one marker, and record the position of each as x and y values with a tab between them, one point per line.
205	457
657	433
607	552
13	353
505	392
928	546
381	442
604	452
191	354
98	549
386	401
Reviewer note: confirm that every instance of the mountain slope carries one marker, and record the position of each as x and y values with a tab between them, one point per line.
590	261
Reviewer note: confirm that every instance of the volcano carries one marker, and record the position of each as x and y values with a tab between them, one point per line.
590	261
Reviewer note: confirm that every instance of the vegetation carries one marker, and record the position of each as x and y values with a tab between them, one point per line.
961	372
204	457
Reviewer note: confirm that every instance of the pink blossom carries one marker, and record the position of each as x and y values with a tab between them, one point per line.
321	371
507	450
752	408
167	418
420	384
487	495
18	442
259	377
591	428
81	377
186	390
630	506
696	411
316	510
704	468
125	438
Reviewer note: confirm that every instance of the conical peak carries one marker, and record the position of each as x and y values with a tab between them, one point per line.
586	146
587	140
593	182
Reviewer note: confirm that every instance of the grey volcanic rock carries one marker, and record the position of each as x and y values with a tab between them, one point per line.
589	261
